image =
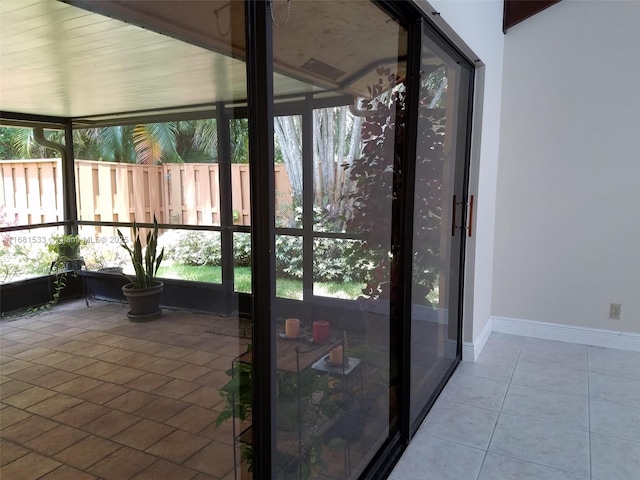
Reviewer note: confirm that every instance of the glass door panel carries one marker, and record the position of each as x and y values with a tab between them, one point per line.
440	180
333	375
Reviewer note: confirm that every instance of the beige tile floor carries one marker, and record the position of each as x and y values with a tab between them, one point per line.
86	394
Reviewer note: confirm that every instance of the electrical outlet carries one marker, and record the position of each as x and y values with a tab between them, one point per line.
615	310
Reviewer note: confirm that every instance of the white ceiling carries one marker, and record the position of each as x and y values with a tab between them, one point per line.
61	60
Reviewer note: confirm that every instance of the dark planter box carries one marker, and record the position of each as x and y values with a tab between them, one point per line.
35	292
179	294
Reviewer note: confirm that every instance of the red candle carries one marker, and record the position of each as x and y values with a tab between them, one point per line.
320	331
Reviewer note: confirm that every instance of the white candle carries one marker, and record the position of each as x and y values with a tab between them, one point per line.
292	328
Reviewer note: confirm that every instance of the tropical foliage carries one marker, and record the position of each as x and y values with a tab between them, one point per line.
383	133
145	265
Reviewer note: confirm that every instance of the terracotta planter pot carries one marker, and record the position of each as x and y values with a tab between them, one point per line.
143	302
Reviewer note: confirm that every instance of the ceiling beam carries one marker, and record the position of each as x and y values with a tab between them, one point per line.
515	11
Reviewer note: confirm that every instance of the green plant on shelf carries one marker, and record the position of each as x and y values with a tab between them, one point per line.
297	393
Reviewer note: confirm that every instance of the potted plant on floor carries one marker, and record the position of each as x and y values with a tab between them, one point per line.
143	291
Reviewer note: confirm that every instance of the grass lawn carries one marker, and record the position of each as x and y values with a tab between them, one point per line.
285	287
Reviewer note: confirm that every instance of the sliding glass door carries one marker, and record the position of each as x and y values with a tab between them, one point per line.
439	228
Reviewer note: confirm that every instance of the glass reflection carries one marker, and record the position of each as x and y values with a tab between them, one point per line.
333	389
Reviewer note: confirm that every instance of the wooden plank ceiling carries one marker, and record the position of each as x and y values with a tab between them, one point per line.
64	60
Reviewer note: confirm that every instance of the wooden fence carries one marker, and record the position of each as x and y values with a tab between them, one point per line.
121	192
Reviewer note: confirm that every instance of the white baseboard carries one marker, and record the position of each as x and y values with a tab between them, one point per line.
563	333
471	350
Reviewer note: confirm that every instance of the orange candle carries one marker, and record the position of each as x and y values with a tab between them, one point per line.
336	356
292	328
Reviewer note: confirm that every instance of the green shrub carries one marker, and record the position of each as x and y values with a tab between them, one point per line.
192	247
334	259
242	249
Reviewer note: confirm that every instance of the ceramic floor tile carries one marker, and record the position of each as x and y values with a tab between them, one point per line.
54	405
193	419
111	424
65	472
189	372
9	368
543	405
176	389
77	385
490	367
75	363
614	458
93	350
32	353
29	397
143	434
174	352
499	467
161	409
544	443
552	353
10	451
131	401
10	415
96	370
475	391
115	355
122	375
87	452
430	458
552	378
200	358
205	397
103	393
614	389
178	446
216	459
610	361
13	387
506	347
58	377
165	470
31	466
124	464
162	365
136	360
26	429
615	420
460	423
81	414
53	359
56	440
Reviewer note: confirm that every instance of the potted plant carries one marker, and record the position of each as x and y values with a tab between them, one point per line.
68	260
143	291
66	247
303	394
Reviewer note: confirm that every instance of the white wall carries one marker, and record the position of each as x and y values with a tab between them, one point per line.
476	27
567	240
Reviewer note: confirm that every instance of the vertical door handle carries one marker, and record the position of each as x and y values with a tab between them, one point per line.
470	225
454	206
453	216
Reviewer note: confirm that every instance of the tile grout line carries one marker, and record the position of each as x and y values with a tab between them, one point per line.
493	431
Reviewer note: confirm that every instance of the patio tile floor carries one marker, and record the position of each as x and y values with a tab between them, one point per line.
87	394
